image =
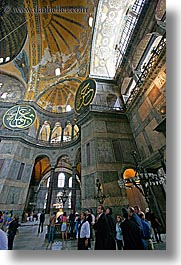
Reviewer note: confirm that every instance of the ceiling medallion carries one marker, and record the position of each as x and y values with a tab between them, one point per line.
85	95
19	117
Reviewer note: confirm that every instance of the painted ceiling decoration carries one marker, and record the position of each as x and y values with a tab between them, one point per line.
21	62
60	93
13	30
61	44
64	50
110	20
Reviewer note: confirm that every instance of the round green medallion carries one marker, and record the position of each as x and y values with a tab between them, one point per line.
85	95
19	117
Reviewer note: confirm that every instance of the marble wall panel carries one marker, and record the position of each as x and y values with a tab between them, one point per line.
144	110
13	172
27	172
99	126
142	146
86	131
156	139
104	151
89	186
7	148
154	94
109	176
5	169
127	146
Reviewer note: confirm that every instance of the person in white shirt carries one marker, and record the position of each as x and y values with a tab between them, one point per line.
83	233
3	239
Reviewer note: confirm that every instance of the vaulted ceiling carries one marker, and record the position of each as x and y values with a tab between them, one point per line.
51	47
60	42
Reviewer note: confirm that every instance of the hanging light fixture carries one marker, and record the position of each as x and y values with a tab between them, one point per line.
62	197
140	179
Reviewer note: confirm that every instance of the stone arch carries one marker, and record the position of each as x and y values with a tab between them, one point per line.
41	167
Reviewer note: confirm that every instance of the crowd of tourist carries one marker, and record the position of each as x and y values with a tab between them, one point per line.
131	230
9	224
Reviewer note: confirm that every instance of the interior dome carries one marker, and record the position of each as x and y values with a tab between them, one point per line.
13	30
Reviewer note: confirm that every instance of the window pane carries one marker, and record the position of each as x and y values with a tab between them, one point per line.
61	180
70	182
21	170
48	182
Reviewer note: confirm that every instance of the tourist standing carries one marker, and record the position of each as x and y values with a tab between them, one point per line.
119	235
83	232
52	222
156	225
147	232
72	223
111	228
41	222
89	219
101	229
131	233
64	226
3	239
12	230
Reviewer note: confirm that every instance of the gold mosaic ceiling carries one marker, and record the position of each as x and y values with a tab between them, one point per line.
62	48
60	38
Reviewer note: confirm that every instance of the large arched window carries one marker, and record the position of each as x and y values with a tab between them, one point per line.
70	182
56	133
45	201
67	132
48	182
61	180
76	130
45	131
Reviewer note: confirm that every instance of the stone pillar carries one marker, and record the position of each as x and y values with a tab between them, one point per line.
38	132
50	188
50	136
72	135
73	199
106	143
62	134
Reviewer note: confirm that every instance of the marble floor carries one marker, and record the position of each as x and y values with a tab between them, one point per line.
29	239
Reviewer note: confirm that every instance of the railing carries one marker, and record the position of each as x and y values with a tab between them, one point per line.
147	69
132	19
23	136
104	108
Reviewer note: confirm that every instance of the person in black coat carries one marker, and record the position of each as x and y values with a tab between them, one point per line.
12	230
112	229
42	220
72	223
156	225
89	219
131	233
101	228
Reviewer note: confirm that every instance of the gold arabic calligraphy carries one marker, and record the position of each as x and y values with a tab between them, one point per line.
19	117
85	97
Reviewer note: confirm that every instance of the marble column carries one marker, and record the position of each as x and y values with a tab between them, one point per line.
50	188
